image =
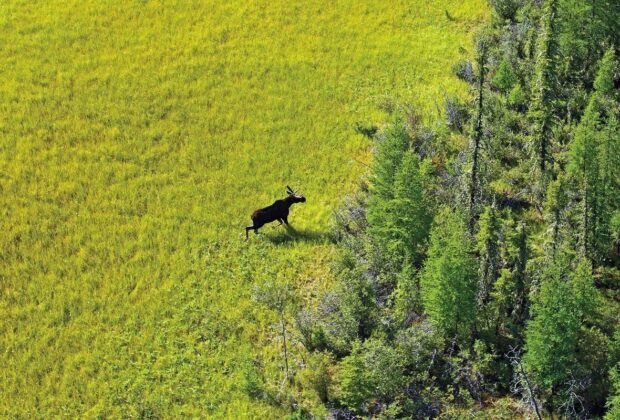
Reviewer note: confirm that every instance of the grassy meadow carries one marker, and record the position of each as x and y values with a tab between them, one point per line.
136	138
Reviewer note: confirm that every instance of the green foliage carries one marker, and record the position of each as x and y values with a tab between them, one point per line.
391	148
609	188
544	86
614	401
585	30
516	96
448	279
565	300
607	73
584	164
400	217
407	301
505	78
350	311
506	9
384	367
252	381
594	163
488	243
354	382
594	359
378	370
316	379
517	255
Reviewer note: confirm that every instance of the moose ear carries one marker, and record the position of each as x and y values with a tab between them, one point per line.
289	190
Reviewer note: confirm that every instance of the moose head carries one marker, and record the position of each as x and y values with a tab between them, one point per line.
293	196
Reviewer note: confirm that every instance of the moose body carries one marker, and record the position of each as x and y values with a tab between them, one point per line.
277	211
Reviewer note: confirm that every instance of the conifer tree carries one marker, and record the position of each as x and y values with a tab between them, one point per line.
509	303
608	200
583	167
609	189
477	133
566	298
605	76
594	162
400	213
555	204
389	153
519	264
613	402
410	216
544	86
448	279
383	223
488	245
505	78
355	386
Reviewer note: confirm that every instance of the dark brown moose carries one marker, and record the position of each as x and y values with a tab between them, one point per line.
277	211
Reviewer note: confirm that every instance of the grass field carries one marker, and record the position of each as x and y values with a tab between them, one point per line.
136	137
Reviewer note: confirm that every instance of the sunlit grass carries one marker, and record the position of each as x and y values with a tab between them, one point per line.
136	137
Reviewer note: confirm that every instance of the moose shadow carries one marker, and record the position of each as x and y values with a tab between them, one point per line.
292	235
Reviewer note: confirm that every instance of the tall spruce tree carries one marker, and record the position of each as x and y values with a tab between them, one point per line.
584	168
544	87
489	239
566	298
609	203
519	256
593	162
476	142
390	150
609	155
448	279
405	220
383	221
555	204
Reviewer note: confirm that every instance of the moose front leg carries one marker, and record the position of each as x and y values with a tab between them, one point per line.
285	220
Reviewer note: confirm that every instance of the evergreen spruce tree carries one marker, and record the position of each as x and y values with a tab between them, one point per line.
606	74
476	142
555	204
448	279
609	202
519	264
410	212
565	300
594	162
544	87
509	302
613	402
584	169
400	213
354	387
384	222
389	153
489	239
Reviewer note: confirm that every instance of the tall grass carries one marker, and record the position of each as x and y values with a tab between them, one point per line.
136	137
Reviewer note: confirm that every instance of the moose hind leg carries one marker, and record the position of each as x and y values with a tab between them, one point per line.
247	228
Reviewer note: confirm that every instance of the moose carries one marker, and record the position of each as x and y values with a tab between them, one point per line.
277	211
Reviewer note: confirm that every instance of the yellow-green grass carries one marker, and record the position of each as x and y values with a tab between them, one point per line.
136	137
